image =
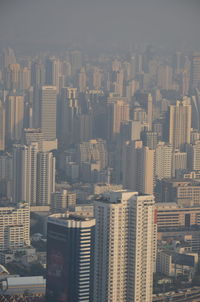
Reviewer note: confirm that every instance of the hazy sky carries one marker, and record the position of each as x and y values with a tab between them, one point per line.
100	23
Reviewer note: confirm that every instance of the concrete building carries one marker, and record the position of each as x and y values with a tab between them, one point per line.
45	177
24	182
193	152
47	111
125	240
2	126
179	121
163	161
70	258
138	167
14	226
62	200
14	106
185	192
170	215
195	71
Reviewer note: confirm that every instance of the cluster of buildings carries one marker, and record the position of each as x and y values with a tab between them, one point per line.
79	137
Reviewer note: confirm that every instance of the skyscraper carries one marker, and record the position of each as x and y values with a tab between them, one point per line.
14	117
138	167
118	111
48	111
180	123
70	256
195	71
45	177
125	241
25	173
2	126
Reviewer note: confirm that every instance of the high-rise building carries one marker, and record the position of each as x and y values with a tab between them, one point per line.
2	126
14	117
70	258
179	123
94	150
165	77
25	173
118	111
68	112
163	160
125	244
14	226
146	102
195	71
53	72
62	200
179	162
193	152
138	167
45	177
48	103
8	57
6	176
76	61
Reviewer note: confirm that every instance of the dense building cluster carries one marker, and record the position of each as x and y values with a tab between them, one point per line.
109	147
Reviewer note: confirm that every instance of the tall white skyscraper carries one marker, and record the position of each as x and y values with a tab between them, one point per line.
125	245
48	111
45	177
25	173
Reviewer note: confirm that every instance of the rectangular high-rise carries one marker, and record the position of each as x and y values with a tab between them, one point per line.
180	116
70	256
125	245
48	103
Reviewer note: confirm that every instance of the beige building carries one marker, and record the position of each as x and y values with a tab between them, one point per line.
163	161
14	117
170	215
14	226
48	105
138	167
118	111
125	241
45	177
180	116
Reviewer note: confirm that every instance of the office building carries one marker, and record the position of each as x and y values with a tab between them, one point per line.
14	226
48	103
125	240
171	215
70	258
